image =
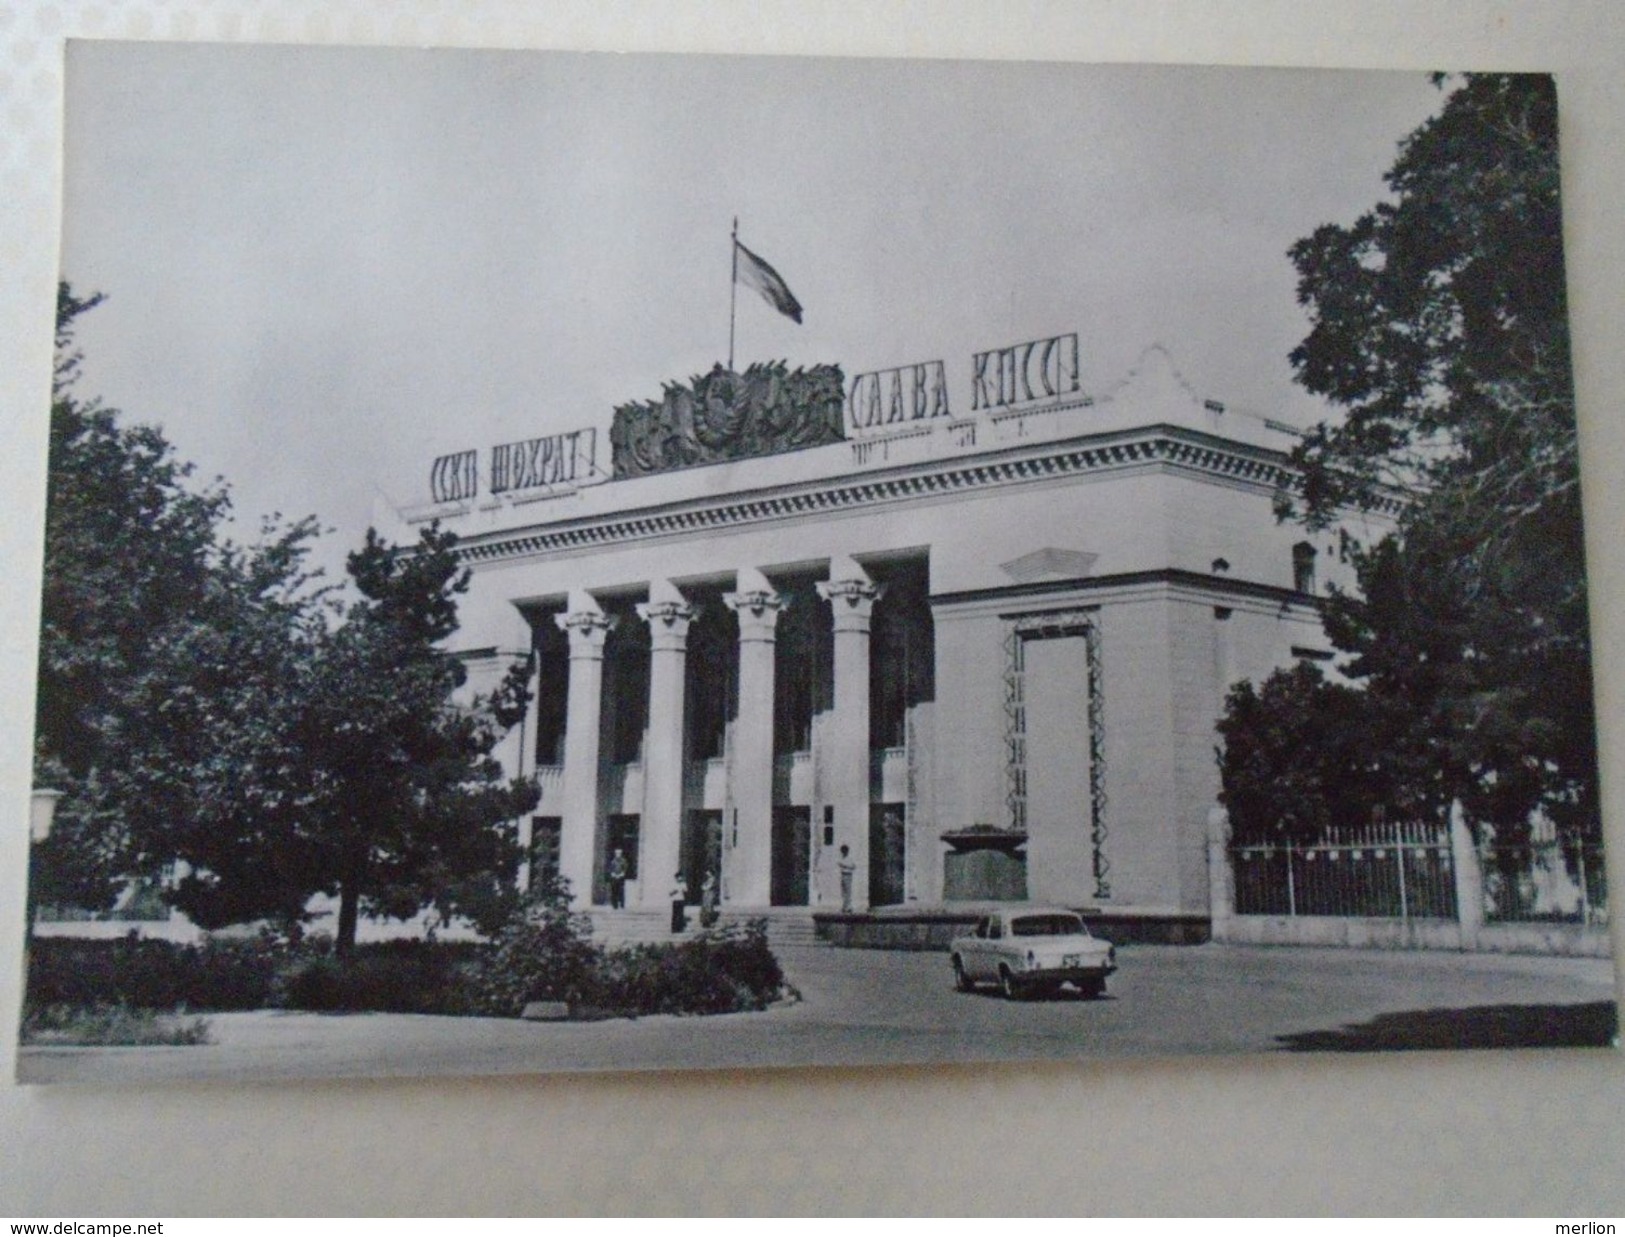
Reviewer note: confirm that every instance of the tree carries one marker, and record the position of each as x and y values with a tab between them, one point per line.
1439	326
408	809
1300	755
137	580
206	702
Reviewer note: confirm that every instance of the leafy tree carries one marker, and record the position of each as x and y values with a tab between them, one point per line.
1303	754
137	581
350	767
1439	326
205	702
408	807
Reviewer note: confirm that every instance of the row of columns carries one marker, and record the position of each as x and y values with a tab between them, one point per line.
844	767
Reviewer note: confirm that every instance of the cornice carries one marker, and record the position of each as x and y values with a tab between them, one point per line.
1152	446
1206	588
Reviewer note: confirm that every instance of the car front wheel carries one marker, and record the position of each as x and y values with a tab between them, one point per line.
1008	985
962	981
1092	989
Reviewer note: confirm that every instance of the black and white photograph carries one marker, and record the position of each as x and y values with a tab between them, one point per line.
564	562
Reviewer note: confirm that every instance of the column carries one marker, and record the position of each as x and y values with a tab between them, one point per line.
660	829
1221	883
851	595
751	876
525	764
1468	871
587	626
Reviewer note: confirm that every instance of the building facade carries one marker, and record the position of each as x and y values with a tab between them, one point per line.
981	654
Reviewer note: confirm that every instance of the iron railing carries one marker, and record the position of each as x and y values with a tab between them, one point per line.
1387	871
1545	882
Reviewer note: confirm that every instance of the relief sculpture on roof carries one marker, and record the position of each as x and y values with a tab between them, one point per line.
724	415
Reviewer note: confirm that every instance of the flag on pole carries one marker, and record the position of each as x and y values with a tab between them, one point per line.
755	273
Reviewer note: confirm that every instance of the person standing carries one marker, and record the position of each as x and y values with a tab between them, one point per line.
708	900
617	880
679	904
848	869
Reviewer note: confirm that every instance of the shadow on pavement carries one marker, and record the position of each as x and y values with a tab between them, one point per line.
1592	1025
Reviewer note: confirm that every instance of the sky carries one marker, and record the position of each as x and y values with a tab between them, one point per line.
327	266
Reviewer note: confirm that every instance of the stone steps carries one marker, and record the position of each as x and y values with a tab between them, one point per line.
786	926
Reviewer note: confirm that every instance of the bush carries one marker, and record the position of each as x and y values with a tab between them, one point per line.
110	1024
543	953
718	973
398	977
407	976
217	975
546	954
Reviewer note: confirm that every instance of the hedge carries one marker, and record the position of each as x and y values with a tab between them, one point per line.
537	958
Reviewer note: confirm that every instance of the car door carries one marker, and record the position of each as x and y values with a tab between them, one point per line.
973	952
990	934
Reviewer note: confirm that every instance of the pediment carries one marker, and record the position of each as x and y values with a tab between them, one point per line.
1157	386
1049	563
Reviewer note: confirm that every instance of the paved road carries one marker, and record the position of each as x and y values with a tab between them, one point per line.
862	1007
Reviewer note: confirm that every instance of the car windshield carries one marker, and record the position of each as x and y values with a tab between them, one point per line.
1046	925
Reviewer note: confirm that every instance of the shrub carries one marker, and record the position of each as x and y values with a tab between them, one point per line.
217	975
400	977
720	972
109	1024
406	976
543	953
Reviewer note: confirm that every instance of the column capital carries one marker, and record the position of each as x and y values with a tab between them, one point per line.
587	630
758	611
668	624
852	602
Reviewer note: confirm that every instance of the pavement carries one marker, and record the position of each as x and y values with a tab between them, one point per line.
873	1007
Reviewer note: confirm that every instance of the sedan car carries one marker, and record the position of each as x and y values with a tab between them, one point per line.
1032	949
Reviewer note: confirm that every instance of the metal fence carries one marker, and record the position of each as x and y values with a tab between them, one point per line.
1545	882
1387	871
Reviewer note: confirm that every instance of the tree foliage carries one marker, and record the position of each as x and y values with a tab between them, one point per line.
411	804
1300	755
351	765
205	702
146	610
1439	327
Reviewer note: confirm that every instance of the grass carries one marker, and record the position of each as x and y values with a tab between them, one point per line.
110	1025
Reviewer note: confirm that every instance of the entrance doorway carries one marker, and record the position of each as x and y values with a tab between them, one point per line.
792	855
700	850
886	854
619	832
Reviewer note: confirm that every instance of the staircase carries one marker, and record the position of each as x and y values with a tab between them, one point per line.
786	925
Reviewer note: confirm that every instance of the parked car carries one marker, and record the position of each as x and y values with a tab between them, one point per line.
1032	949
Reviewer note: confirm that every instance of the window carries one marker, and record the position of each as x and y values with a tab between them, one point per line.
552	698
803	667
544	847
626	689
1046	925
709	690
900	653
1303	567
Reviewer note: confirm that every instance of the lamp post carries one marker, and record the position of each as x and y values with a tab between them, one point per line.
41	811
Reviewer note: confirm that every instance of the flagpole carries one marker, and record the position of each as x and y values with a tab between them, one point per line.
733	292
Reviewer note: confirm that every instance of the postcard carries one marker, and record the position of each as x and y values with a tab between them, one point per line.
567	562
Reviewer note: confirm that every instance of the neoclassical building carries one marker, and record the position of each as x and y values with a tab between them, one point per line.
775	615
